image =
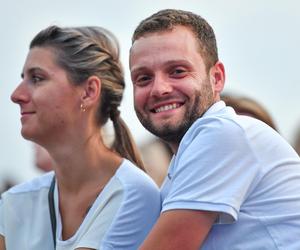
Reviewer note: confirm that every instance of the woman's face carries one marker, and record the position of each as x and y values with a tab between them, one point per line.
49	103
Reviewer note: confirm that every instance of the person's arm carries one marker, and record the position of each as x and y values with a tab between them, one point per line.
2	243
180	229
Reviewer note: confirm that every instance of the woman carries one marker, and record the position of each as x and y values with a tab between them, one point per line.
72	85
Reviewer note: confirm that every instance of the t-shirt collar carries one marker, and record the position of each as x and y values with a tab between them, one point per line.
217	106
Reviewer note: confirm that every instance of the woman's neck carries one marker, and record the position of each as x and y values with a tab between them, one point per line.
84	163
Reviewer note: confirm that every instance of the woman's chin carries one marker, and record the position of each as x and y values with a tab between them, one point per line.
27	135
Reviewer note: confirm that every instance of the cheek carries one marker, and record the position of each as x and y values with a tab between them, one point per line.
187	88
195	85
140	97
42	100
52	104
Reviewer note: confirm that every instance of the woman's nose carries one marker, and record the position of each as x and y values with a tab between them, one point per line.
20	94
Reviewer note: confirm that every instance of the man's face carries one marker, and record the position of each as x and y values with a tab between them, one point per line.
171	85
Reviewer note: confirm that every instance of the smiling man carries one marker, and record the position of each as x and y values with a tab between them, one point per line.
233	182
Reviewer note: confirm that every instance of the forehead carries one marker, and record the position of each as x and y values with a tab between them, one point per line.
41	57
176	44
176	34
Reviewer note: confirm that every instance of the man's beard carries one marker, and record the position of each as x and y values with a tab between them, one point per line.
174	133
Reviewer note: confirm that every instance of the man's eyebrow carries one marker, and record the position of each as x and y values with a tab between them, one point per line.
138	69
170	62
180	61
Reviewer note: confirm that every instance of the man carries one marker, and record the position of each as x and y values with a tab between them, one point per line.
233	182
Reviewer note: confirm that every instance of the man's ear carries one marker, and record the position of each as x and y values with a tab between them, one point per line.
217	74
91	91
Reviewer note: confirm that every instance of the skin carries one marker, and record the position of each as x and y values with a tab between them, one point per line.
170	80
2	243
51	116
172	88
41	79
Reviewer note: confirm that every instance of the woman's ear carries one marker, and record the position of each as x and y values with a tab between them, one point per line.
91	91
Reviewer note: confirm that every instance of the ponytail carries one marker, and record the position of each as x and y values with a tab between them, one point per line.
123	142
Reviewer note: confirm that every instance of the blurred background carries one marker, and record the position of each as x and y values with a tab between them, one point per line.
258	43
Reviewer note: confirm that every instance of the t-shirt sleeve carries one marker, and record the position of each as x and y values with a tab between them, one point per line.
138	213
213	170
1	218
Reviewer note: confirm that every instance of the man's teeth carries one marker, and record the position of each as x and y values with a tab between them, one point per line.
167	107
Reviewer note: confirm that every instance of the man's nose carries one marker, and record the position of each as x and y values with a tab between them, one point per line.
161	86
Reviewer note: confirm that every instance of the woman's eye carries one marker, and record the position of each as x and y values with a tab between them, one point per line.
36	79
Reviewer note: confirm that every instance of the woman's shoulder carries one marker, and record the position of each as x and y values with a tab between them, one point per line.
129	174
35	184
136	185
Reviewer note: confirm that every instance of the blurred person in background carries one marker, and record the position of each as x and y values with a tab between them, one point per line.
42	159
6	183
156	155
248	106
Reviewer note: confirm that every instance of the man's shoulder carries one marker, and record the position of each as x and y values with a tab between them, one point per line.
214	124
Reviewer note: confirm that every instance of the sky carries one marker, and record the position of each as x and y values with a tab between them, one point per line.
258	43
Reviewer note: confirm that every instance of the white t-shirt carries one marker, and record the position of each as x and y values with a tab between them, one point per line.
120	218
240	167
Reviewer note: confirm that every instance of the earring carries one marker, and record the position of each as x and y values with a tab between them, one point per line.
82	108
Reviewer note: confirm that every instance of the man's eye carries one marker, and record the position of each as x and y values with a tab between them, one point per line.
178	72
142	80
